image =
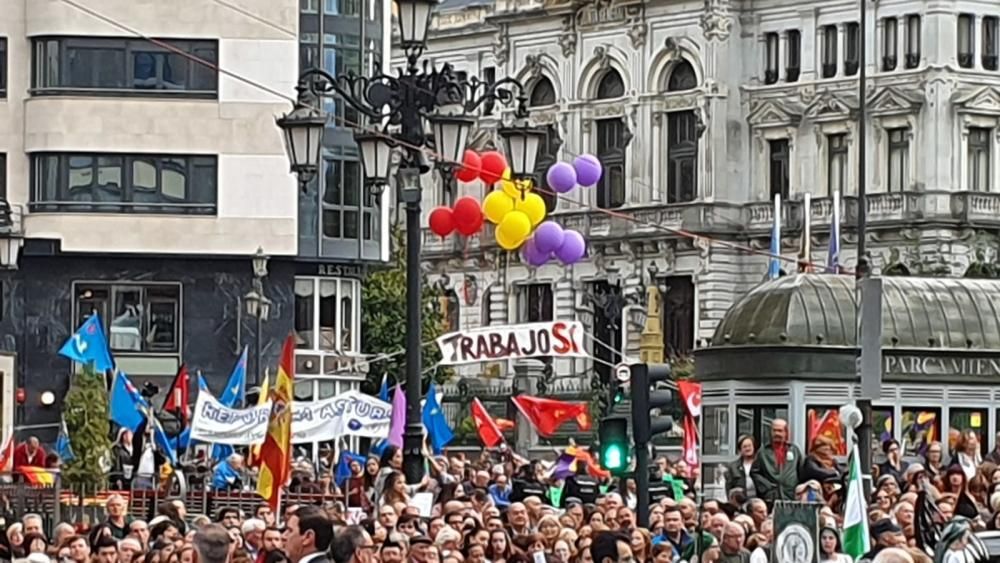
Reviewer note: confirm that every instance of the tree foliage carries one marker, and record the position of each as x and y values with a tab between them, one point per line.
383	321
88	428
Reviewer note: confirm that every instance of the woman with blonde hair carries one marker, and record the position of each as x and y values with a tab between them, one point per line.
641	544
549	528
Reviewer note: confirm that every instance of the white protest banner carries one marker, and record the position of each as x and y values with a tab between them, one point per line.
348	414
215	423
557	338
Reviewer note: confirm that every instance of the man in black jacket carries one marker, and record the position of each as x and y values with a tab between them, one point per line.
308	534
353	545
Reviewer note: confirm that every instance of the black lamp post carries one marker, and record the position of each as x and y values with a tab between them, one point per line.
397	110
259	308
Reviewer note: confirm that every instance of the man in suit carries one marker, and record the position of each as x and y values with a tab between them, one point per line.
353	545
775	472
308	534
213	544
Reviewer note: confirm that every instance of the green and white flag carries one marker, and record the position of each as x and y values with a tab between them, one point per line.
857	540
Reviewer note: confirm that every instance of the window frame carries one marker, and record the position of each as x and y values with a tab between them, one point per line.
758	429
771	62
682	151
114	288
852	48
316	331
980	153
834	153
793	55
611	146
890	44
914	27
966	45
991	42
679	326
983	429
3	176
779	161
3	66
829	62
529	292
40	203
368	220
902	146
43	73
904	438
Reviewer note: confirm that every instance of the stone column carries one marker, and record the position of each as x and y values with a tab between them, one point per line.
715	23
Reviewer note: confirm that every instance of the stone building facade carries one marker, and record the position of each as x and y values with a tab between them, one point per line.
702	111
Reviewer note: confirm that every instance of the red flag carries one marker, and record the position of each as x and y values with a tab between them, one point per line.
179	395
547	415
504	424
487	428
691	397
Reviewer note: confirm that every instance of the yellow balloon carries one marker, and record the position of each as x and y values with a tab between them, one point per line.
496	205
533	206
506	243
516	226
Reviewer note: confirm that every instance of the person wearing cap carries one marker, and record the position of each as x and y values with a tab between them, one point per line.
422	550
885	534
775	472
893	464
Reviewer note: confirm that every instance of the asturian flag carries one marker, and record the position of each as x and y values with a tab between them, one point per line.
857	541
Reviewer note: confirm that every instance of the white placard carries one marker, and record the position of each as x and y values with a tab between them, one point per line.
561	339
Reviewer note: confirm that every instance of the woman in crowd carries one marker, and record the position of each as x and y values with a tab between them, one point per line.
738	472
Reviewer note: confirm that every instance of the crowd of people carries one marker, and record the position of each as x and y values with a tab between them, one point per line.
500	508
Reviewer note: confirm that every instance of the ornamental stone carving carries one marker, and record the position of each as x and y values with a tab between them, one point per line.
716	21
501	46
567	38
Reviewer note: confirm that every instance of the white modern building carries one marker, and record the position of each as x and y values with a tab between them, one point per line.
702	111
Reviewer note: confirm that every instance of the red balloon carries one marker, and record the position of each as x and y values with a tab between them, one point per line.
469	170
468	216
442	221
492	167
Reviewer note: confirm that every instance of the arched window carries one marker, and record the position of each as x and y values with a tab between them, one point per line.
683	131
682	77
542	93
611	144
611	86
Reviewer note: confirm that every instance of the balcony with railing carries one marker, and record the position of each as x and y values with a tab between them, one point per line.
11	233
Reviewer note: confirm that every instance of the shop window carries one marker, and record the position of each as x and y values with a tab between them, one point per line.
825	421
919	427
883	423
976	420
138	317
755	420
715	427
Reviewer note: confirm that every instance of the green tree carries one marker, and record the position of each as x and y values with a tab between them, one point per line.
383	321
87	426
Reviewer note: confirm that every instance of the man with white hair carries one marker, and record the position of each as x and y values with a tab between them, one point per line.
127	549
228	474
893	555
253	536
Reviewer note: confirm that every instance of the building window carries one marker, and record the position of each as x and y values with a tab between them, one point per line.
611	152
990	42
912	41
3	67
341	55
965	34
829	69
548	154
979	159
778	158
678	316
890	37
489	77
535	303
771	52
451	311
140	318
682	77
349	210
836	158
852	44
542	93
3	176
124	183
899	159
976	420
919	427
349	8
682	156
793	57
328	314
309	6
606	300
610	86
715	425
136	67
756	420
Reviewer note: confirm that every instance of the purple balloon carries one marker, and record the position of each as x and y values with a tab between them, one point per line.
532	256
561	177
548	236
588	169
573	248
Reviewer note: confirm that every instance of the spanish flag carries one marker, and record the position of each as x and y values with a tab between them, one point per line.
276	452
38	476
253	459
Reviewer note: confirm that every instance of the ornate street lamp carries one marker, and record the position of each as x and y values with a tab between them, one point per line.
258	307
422	109
303	129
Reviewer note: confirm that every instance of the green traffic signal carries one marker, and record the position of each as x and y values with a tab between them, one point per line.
615	444
613	458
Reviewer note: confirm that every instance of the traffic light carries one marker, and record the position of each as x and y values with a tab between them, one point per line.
613	434
645	398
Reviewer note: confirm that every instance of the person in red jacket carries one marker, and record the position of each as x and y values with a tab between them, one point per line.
29	454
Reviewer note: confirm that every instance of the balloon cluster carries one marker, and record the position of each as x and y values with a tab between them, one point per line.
550	239
465	216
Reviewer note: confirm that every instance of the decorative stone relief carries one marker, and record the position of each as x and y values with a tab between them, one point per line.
567	37
637	33
603	55
533	65
501	45
716	21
